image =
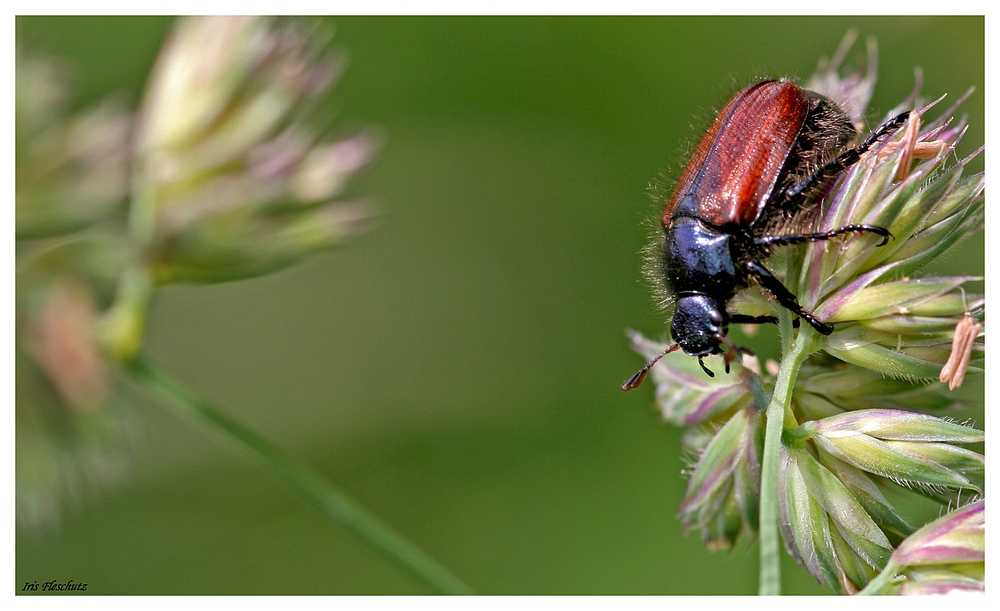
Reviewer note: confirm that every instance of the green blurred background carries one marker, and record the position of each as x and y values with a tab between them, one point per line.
457	369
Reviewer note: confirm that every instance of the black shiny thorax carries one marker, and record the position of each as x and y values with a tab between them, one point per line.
704	265
699	258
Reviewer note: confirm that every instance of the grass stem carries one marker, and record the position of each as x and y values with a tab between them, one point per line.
305	480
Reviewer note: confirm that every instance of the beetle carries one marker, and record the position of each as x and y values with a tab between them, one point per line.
769	149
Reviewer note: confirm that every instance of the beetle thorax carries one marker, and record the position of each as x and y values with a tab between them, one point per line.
699	259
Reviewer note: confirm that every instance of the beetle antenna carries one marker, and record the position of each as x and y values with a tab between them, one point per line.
636	380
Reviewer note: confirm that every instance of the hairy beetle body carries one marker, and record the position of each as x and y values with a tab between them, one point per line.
765	153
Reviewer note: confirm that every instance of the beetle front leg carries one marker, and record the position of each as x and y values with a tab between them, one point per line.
746	319
784	296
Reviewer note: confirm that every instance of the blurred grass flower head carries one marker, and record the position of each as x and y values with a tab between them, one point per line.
222	173
230	181
71	184
863	422
229	177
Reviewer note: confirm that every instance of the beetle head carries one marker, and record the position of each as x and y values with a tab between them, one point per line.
698	325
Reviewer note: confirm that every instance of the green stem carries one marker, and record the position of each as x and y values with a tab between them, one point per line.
777	413
123	325
877	585
306	481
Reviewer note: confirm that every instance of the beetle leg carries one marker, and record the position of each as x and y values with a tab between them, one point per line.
784	296
798	238
844	160
734	350
746	319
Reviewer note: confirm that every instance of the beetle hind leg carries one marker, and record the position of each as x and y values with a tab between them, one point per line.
845	160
